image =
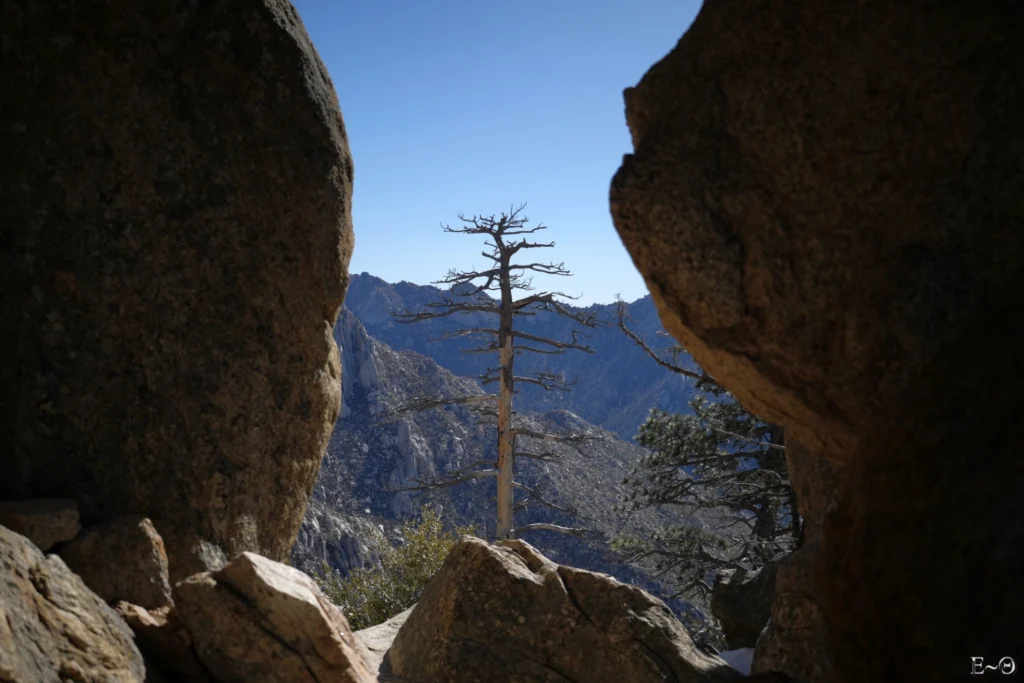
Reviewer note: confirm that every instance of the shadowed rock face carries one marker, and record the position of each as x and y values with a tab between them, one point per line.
924	552
123	559
174	242
795	638
819	196
826	204
742	603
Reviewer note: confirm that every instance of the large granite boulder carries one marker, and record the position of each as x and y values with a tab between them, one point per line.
259	621
174	240
819	195
505	613
52	628
826	202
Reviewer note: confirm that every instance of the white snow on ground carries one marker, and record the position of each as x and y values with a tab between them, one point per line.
739	659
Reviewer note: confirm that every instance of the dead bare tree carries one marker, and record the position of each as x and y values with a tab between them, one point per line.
493	291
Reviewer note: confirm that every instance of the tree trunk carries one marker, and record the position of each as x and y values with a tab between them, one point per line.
506	439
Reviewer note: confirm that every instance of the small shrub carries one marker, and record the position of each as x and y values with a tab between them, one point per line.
371	595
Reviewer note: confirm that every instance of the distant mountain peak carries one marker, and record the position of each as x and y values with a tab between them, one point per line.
616	386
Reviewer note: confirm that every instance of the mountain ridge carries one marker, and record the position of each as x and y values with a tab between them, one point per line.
355	509
616	387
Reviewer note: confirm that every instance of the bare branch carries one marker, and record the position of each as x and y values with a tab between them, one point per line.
571	344
520	348
535	497
576	438
458	277
455	334
516	247
490	348
548	382
544	456
545	380
545	268
445	482
544	526
421	403
544	298
447	308
623	316
525	231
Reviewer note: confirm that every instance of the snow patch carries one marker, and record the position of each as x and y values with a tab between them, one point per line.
740	659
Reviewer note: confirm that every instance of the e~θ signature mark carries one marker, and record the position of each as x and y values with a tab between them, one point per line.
1005	666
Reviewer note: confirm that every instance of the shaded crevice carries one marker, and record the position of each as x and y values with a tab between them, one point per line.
574	601
664	667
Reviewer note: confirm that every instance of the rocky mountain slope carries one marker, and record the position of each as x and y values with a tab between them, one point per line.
354	507
617	385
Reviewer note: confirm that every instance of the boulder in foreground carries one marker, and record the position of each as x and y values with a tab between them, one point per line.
502	613
53	628
259	621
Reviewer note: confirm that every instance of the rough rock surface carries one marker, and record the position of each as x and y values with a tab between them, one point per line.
378	639
497	613
819	196
52	628
123	559
174	240
795	639
815	480
44	521
162	640
742	603
925	545
826	205
257	620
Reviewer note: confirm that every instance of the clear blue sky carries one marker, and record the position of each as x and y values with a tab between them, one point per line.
472	105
